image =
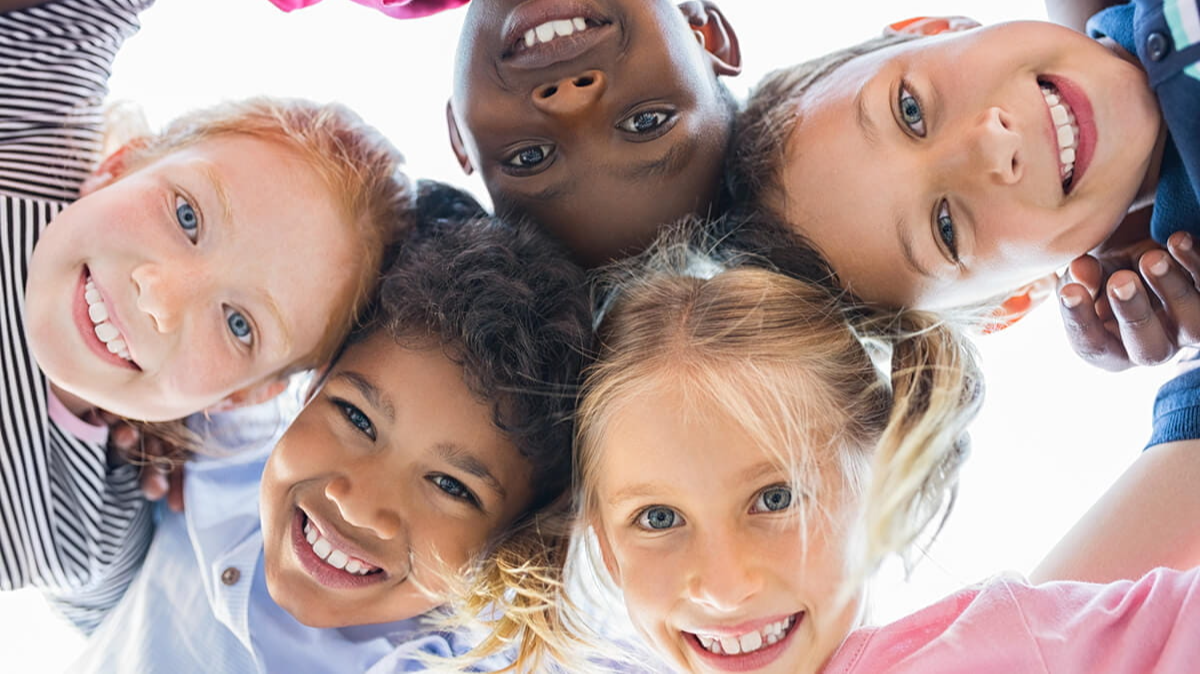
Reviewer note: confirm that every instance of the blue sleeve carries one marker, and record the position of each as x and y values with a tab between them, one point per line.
1177	410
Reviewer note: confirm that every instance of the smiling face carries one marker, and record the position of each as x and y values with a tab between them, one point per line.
201	273
600	119
952	169
391	467
700	529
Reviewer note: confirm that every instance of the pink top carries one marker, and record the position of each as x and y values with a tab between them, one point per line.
69	422
397	9
1007	626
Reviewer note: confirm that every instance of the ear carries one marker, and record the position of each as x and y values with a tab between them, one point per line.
1021	302
610	561
456	141
111	168
931	25
252	395
715	34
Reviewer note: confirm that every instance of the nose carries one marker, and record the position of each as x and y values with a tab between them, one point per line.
996	149
570	96
359	508
164	291
724	575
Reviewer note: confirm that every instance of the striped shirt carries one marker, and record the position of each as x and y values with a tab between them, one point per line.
70	523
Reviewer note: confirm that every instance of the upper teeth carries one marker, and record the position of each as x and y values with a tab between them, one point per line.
553	29
332	556
750	642
1065	128
105	331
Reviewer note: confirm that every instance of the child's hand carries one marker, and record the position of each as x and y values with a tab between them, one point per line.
1126	325
162	473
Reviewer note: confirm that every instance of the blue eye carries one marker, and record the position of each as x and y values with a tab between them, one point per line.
530	157
659	518
357	418
910	112
454	487
187	218
773	499
644	122
239	325
946	230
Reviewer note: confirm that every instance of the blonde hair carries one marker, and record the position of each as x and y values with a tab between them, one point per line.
362	170
794	362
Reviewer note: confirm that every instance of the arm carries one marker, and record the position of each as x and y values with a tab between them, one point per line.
1075	13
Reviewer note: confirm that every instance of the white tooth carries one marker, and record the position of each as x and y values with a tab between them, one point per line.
337	559
716	646
322	548
125	355
750	642
530	38
91	295
1067	156
773	638
787	623
116	346
1051	99
311	536
545	32
353	567
580	23
564	27
1066	137
98	312
1059	115
106	331
731	645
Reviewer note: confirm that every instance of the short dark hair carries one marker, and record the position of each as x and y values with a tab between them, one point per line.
506	303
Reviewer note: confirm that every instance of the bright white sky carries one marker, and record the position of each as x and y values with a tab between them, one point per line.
1054	433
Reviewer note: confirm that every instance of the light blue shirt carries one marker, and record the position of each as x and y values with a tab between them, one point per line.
200	603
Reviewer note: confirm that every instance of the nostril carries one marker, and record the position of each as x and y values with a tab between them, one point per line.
585	81
548	92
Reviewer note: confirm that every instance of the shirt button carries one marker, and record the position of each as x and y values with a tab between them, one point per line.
230	576
1157	46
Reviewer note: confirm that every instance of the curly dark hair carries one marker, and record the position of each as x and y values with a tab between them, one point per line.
508	305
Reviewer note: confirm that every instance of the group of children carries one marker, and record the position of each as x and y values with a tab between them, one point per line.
761	394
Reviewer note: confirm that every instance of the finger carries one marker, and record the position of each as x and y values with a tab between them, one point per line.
155	485
1146	341
1086	331
124	437
1088	272
175	494
1177	291
1183	249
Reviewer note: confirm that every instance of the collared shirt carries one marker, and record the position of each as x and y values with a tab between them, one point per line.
201	603
1165	35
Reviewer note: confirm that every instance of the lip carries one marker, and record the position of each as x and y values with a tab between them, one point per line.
1085	119
529	15
744	663
83	322
322	572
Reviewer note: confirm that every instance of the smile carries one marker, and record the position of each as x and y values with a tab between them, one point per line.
544	33
742	650
328	557
333	557
1066	131
1071	126
105	331
97	324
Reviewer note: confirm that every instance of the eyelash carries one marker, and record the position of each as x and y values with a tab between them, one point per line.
510	166
640	519
946	232
185	210
354	417
465	496
906	93
663	126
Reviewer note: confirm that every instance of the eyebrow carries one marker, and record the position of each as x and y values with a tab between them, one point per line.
374	396
638	490
461	458
863	117
670	163
906	249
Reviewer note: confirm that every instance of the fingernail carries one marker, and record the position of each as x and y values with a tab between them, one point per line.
1070	301
1160	268
1185	242
1125	292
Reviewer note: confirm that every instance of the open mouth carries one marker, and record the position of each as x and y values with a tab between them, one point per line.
746	651
98	325
547	33
1072	127
327	560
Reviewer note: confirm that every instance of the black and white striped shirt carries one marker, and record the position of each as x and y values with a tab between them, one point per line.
69	522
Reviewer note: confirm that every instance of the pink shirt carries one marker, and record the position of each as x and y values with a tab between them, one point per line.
1007	626
397	9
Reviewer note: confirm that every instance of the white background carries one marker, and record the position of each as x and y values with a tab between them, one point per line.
1054	433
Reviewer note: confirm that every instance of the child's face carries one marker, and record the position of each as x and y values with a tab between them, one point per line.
396	466
187	279
699	529
931	173
599	136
